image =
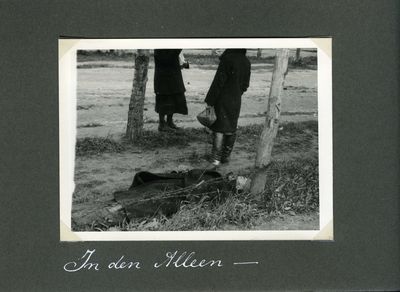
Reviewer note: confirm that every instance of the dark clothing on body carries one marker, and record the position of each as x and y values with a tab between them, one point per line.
168	82
231	80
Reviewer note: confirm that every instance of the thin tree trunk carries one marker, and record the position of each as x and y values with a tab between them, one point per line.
135	114
271	125
297	55
259	53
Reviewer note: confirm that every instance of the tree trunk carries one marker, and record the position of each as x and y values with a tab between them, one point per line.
135	114
259	53
297	55
271	125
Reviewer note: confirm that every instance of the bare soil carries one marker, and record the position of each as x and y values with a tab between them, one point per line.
104	92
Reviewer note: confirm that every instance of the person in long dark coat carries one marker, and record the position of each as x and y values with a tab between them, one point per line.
168	87
225	95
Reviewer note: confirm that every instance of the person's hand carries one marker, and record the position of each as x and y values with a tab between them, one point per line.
185	65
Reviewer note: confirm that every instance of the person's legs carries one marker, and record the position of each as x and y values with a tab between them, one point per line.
170	122
218	139
229	141
162	126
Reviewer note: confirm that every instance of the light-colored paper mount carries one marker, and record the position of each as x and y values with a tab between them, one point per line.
66	234
325	45
64	45
326	232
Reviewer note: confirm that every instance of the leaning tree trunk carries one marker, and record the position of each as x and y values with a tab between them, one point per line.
271	125
135	114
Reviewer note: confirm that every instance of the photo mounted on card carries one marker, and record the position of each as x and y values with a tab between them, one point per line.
195	139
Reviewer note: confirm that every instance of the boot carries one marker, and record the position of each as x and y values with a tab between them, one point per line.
171	123
229	141
162	125
218	139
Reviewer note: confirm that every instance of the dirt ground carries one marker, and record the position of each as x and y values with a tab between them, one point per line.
104	92
104	89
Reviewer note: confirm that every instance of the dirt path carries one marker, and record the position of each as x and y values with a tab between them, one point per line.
104	92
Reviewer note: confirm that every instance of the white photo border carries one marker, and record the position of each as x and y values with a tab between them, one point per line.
67	136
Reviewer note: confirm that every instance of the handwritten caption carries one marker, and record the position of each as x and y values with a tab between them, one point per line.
171	259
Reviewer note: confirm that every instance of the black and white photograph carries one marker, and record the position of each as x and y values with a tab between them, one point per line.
195	139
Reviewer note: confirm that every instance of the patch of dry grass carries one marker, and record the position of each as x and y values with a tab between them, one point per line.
291	188
291	136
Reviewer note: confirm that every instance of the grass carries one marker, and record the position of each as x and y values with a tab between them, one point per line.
95	55
90	125
309	62
98	145
291	188
290	136
87	107
206	215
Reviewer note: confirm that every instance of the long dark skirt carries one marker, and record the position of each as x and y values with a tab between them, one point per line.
167	104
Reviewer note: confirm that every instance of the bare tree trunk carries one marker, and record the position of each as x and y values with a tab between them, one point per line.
135	114
271	125
259	53
297	55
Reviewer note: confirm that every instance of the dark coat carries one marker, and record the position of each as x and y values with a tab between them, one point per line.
167	72
225	94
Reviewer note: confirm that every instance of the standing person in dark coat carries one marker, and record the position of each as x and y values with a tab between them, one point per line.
225	94
168	87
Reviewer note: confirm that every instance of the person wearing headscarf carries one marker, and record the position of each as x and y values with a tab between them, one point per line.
225	95
168	87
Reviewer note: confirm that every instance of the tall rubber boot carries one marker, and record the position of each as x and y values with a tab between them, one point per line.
229	141
218	140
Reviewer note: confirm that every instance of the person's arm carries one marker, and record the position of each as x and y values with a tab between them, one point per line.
183	62
218	83
246	82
